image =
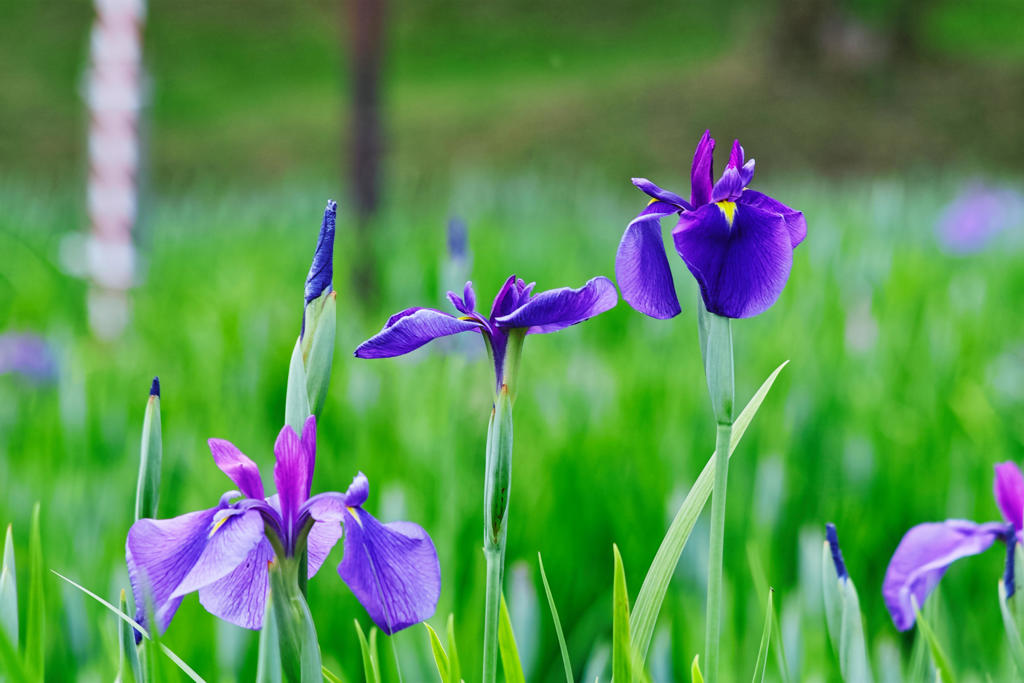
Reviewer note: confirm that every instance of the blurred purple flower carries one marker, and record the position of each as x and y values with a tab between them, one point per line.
737	243
927	550
515	307
225	552
27	355
976	215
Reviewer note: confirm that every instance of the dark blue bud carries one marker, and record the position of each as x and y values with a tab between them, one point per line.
154	388
837	554
456	238
322	270
1008	575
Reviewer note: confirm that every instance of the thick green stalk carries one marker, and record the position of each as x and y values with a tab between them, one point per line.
718	367
497	485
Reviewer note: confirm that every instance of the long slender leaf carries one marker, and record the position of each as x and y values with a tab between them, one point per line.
147	491
296	403
831	599
138	627
655	585
761	584
9	591
695	675
939	657
853	652
622	656
440	658
35	633
1012	634
330	676
268	662
370	669
558	623
11	665
130	669
510	663
766	635
454	669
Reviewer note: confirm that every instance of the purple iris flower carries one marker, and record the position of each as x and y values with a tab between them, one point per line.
737	242
927	550
515	308
27	355
976	216
226	552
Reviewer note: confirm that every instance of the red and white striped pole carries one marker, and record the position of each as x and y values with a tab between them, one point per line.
114	95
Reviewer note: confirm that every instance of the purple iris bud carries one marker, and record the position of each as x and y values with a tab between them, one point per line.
837	554
322	269
737	243
225	552
154	388
976	215
1009	574
514	308
927	550
457	239
27	355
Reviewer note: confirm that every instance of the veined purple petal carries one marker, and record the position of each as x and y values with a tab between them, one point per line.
652	190
742	268
411	329
238	467
641	266
702	172
358	491
293	470
241	596
230	540
795	221
469	298
160	553
1009	492
923	556
513	294
557	309
392	569
321	540
322	269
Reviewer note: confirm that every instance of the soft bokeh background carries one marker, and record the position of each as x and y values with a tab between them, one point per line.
527	120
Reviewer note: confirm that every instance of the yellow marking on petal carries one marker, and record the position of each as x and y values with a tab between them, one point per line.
651	202
728	210
468	319
355	515
218	525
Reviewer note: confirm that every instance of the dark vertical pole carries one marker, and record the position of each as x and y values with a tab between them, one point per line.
366	52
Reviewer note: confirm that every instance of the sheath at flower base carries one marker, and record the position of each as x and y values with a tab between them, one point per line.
738	243
927	550
225	552
515	308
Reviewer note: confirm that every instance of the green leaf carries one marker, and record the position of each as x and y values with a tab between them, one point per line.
331	677
296	634
35	633
128	662
1012	634
12	669
321	325
131	622
1017	601
370	669
622	656
558	623
766	636
853	655
655	585
147	492
9	591
296	403
510	663
942	666
440	658
832	599
695	673
268	663
454	669
761	584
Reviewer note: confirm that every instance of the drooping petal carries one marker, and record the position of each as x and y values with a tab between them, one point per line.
358	491
655	192
392	569
557	309
741	268
702	172
238	466
1009	492
641	265
322	269
160	553
230	540
241	596
923	556
410	329
795	221
323	536
293	469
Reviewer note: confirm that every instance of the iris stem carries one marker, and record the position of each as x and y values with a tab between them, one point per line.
497	486
495	571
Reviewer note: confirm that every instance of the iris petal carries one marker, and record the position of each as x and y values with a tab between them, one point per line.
410	329
241	596
652	190
796	224
557	309
293	470
230	542
238	467
923	556
1009	492
641	265
702	171
321	540
741	268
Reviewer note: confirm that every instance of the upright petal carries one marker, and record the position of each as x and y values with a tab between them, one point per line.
741	268
238	466
410	329
641	266
557	309
796	224
230	540
241	596
293	471
702	172
655	192
509	297
735	178
923	556
392	569
1009	492
160	553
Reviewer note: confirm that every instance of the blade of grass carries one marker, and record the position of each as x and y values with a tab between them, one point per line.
695	675
130	667
35	633
331	677
11	665
761	584
370	668
766	635
1012	634
510	663
558	623
454	669
9	591
939	657
655	585
622	656
440	658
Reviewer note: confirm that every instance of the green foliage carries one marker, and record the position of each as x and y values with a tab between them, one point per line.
440	656
371	664
9	590
940	660
35	629
622	648
566	662
510	663
766	636
147	493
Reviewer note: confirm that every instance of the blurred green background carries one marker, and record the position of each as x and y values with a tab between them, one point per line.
527	120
